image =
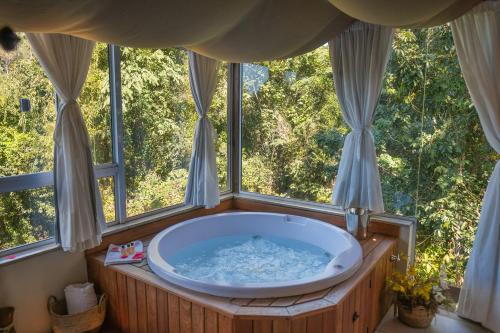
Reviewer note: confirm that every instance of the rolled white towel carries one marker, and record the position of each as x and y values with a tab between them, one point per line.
80	297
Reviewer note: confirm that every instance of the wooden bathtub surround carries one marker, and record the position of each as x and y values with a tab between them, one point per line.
140	301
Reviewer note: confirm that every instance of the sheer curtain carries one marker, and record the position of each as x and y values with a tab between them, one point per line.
203	184
477	38
66	61
359	56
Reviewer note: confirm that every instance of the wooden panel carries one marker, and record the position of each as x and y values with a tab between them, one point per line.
329	321
185	316
132	305
123	317
357	323
112	292
210	321
93	274
338	315
348	311
152	303
263	326
315	323
142	310
225	324
173	314
299	325
162	312
243	326
198	317
282	326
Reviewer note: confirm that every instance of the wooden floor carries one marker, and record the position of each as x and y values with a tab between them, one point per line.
142	302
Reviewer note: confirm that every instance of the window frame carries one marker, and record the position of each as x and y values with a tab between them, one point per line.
115	168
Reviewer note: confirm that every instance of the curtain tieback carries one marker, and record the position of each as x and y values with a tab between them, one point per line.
363	130
67	103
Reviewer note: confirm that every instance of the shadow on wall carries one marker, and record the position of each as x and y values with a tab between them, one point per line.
27	284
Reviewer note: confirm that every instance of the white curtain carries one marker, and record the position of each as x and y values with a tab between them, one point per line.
203	185
477	39
66	61
359	56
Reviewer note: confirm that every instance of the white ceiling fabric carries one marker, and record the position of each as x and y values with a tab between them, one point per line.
405	13
237	30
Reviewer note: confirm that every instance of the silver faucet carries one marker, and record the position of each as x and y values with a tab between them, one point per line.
357	220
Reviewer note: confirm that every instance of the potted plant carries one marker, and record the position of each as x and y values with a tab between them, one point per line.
416	297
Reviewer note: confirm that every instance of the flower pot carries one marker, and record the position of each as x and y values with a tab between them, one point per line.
418	316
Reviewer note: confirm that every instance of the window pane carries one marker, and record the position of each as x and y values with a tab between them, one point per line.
95	105
159	118
434	160
26	144
292	127
26	217
106	186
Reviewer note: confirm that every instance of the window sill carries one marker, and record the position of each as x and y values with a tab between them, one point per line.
28	253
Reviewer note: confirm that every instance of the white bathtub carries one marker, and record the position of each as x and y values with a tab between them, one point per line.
345	248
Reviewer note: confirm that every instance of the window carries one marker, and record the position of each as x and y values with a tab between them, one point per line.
94	102
140	117
27	208
292	129
433	158
158	123
26	215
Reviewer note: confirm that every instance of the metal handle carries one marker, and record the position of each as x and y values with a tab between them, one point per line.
355	316
394	258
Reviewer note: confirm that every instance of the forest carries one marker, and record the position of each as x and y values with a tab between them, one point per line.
433	158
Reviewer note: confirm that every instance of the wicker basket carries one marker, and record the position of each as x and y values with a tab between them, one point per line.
418	316
89	321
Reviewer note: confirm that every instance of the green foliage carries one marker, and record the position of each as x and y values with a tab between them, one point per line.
159	119
433	158
289	112
25	147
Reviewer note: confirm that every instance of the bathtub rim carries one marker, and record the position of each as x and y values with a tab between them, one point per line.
330	277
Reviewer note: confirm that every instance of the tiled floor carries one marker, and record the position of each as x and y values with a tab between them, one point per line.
443	323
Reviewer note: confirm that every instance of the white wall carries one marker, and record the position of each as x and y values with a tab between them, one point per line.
27	284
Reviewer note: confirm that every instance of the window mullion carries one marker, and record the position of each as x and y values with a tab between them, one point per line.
234	120
117	132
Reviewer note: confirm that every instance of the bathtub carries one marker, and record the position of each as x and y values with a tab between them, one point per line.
345	250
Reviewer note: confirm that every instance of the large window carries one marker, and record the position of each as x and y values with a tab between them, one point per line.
433	158
158	123
292	130
140	117
27	208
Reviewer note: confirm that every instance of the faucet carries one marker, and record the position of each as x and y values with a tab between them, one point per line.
357	220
